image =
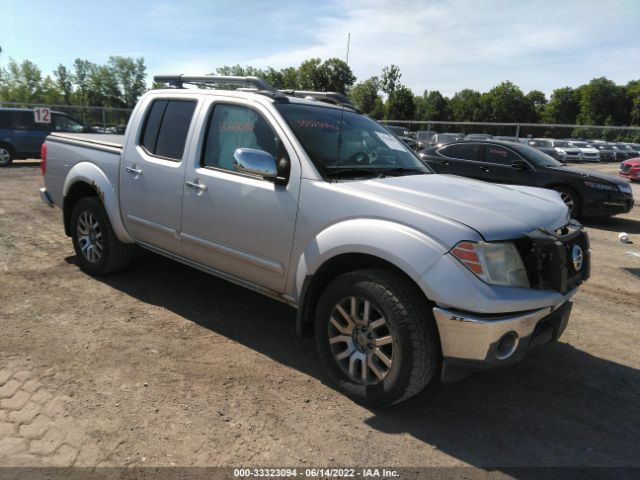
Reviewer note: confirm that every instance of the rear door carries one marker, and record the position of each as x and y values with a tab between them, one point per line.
456	159
28	135
152	171
239	224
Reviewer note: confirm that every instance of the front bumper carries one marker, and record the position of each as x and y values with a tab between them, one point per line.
471	341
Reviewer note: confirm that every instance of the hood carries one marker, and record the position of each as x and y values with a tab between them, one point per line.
588	149
568	149
591	175
632	161
496	212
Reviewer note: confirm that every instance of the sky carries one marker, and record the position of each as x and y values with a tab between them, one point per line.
444	45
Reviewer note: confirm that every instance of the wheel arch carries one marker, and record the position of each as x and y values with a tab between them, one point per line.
356	244
86	179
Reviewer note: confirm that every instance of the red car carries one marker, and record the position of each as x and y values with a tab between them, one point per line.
631	169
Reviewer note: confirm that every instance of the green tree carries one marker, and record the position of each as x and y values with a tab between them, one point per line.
563	107
537	103
600	98
466	106
129	75
432	106
390	79
21	82
336	75
64	82
633	101
401	104
365	94
506	103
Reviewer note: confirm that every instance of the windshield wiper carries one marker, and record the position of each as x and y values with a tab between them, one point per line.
343	172
403	170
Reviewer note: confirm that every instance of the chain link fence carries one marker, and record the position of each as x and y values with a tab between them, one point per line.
524	130
100	117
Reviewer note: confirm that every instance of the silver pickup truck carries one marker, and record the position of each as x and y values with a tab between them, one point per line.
402	275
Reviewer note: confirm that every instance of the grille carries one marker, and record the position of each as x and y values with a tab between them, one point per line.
548	257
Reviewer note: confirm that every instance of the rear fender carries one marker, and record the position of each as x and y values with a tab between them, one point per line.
92	175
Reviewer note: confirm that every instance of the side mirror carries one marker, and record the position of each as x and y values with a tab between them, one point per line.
519	165
255	162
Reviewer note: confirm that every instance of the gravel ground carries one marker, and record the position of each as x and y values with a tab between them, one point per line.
164	365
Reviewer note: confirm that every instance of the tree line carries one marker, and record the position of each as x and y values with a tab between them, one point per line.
120	82
116	84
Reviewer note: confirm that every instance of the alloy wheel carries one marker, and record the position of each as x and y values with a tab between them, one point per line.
89	237
361	341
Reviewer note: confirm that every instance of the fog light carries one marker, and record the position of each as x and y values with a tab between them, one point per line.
506	345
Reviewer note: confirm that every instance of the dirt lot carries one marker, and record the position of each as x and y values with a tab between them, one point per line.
163	365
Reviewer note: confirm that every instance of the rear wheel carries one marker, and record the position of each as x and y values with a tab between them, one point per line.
570	199
376	336
6	156
98	249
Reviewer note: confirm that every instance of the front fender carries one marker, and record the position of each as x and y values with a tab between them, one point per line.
408	249
92	175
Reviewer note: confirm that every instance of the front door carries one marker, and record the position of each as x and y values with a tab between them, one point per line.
239	224
152	173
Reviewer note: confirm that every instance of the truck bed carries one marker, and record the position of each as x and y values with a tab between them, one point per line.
95	139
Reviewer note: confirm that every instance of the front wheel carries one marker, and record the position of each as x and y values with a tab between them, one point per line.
98	249
376	336
6	156
570	199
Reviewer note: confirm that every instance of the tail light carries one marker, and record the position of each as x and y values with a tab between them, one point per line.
43	156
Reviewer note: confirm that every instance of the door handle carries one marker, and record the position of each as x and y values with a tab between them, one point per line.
133	170
198	186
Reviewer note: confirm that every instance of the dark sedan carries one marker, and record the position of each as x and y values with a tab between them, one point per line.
586	193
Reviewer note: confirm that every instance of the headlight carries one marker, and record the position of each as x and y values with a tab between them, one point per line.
602	186
493	263
625	188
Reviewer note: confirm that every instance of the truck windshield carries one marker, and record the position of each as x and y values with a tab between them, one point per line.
348	144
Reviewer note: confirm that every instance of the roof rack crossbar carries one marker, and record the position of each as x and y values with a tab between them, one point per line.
333	97
250	82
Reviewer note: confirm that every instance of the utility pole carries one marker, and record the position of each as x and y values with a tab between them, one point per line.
348	44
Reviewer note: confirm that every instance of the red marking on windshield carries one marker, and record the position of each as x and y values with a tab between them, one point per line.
303	123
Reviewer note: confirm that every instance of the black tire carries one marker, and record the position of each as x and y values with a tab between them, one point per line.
416	345
566	192
114	256
6	155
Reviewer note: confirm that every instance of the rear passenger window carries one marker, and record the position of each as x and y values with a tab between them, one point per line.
5	117
462	151
166	127
500	155
24	120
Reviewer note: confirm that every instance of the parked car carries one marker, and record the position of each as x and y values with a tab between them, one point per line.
401	274
588	153
415	145
425	136
627	150
478	136
542	144
445	138
631	169
566	151
22	137
607	152
586	193
399	131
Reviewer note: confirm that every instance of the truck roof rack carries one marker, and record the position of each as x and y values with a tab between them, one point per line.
178	81
253	84
329	97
